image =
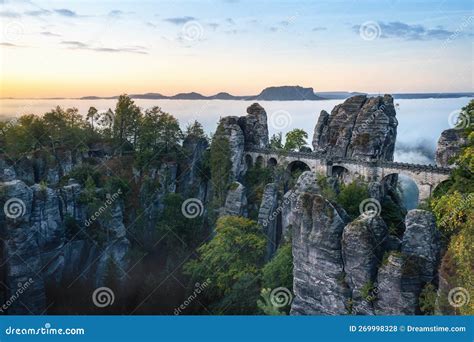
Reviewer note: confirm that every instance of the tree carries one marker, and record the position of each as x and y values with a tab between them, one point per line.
126	122
194	130
159	137
90	115
295	139
278	272
231	259
276	141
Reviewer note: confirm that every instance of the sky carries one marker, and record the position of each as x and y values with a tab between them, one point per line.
105	48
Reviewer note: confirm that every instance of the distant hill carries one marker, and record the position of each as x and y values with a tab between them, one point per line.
287	93
283	93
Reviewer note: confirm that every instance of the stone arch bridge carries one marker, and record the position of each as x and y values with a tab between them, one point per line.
426	177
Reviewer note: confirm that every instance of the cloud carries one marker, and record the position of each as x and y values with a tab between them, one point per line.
230	21
397	29
179	20
66	12
76	45
38	13
150	24
5	44
214	26
115	13
50	34
9	14
319	28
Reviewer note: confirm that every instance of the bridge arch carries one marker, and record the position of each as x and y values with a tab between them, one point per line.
259	161
408	186
272	162
248	161
298	165
341	172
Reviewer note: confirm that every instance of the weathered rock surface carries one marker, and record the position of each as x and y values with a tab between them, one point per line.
229	127
449	145
190	182
363	243
269	217
255	127
318	284
398	286
422	240
362	128
38	249
236	201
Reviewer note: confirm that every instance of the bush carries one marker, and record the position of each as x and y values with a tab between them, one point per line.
278	272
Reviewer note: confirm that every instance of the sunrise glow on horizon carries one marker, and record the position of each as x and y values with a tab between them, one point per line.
74	49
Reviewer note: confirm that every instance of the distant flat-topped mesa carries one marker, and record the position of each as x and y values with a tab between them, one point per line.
287	93
360	128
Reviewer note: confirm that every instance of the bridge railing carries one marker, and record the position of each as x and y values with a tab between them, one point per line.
370	163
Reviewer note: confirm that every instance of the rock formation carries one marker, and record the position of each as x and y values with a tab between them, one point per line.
39	246
343	267
254	126
449	145
362	128
269	217
236	201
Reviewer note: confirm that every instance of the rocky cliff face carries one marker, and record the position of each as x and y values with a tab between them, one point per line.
343	267
449	145
362	127
38	245
250	131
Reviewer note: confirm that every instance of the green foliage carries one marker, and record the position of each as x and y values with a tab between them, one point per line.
327	191
234	254
367	291
159	138
255	179
276	141
351	195
278	272
266	306
84	172
295	139
220	166
176	230
195	131
427	299
126	123
393	216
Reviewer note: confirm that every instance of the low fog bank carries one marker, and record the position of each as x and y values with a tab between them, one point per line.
421	151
